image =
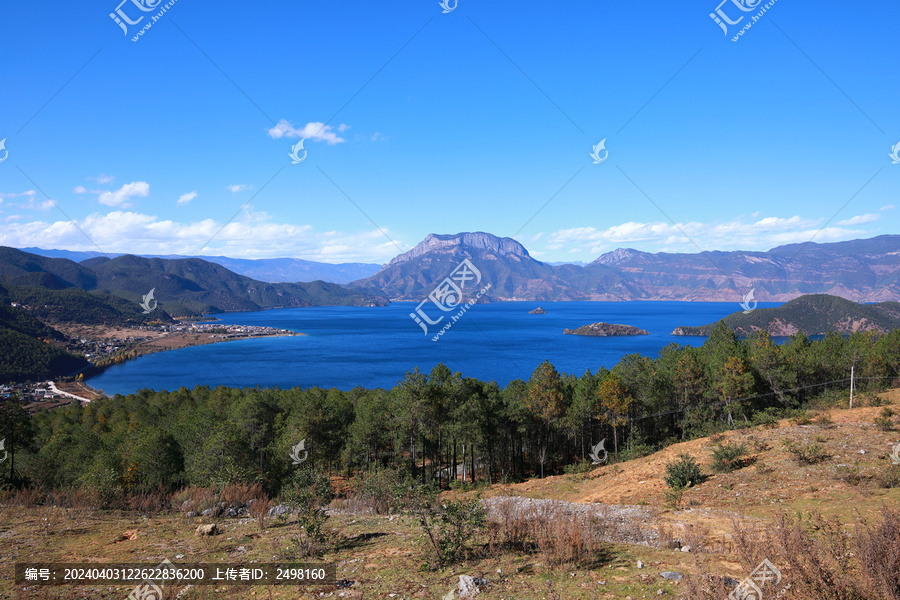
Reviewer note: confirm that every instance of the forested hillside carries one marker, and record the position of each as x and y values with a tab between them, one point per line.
25	350
813	314
183	287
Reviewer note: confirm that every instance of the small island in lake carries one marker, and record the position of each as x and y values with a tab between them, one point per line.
538	311
607	329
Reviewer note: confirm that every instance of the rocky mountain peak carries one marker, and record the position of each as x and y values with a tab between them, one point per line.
473	241
618	255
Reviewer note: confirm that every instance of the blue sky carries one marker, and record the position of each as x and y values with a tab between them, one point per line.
479	119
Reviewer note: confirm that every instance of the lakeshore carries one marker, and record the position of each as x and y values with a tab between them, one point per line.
102	345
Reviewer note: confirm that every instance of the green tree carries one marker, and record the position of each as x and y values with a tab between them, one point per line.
736	382
224	457
688	384
152	459
547	402
767	358
614	404
18	433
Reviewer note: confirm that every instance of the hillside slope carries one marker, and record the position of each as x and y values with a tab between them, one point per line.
184	286
26	346
814	314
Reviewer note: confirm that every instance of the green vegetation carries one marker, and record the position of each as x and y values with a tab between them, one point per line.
814	314
26	350
885	420
806	453
102	290
72	305
729	457
683	472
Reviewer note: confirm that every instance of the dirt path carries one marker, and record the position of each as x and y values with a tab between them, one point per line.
56	390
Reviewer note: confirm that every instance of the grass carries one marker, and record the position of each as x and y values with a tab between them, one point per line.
385	554
381	554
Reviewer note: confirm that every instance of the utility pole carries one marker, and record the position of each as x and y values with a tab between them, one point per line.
852	370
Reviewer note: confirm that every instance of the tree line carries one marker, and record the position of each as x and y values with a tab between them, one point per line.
438	425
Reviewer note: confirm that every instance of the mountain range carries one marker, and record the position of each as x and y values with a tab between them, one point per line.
182	287
273	270
865	270
861	270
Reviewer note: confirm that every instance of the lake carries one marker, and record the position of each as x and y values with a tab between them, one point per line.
374	347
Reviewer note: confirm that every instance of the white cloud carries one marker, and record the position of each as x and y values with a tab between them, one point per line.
319	132
859	220
122	197
237	188
254	235
738	234
887	207
80	189
30	202
30	193
102	178
186	198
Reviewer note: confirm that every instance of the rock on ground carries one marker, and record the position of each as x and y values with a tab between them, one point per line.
207	530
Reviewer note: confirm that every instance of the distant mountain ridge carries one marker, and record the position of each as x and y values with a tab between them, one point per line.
272	270
865	270
191	286
861	270
502	262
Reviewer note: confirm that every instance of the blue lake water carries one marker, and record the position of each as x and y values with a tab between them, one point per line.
374	347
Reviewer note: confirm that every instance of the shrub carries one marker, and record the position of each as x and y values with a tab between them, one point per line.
849	475
824	562
449	526
730	457
585	466
103	482
672	498
548	528
379	491
240	494
758	444
803	417
309	491
468	486
195	499
878	548
885	420
806	453
459	522
683	472
823	419
766	418
888	476
259	509
636	451
833	398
